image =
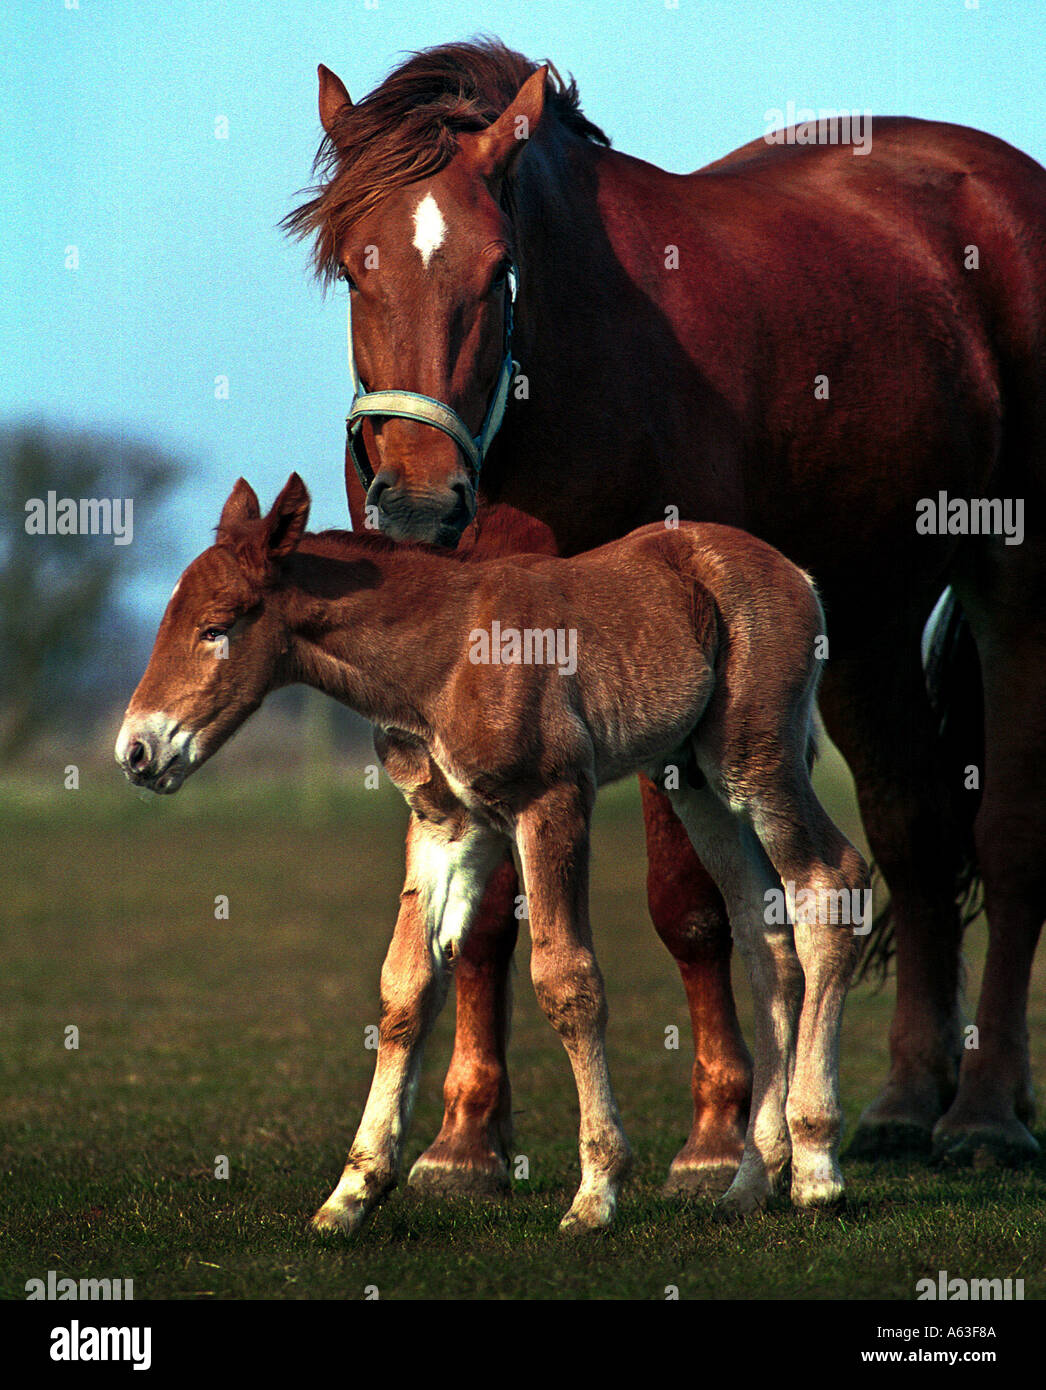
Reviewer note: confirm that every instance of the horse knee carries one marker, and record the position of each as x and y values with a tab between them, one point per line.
572	998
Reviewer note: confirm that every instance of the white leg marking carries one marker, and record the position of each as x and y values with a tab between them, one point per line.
452	876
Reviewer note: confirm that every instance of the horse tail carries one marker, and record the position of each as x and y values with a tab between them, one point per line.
953	683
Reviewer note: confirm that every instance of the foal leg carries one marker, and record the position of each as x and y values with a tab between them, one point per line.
470	1153
690	917
446	876
824	879
731	851
553	839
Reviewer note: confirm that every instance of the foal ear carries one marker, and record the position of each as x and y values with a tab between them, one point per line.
241	505
494	150
333	97
285	524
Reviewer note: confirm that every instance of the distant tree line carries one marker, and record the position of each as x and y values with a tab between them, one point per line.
62	635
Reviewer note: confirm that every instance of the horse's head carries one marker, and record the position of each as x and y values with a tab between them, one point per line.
414	220
220	644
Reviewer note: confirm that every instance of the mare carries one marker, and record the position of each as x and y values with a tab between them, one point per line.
807	339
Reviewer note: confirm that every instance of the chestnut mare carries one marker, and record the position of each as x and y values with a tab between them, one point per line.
800	340
688	652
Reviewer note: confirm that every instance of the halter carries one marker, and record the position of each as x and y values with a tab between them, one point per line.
410	405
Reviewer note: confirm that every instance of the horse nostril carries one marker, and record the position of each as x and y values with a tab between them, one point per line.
138	756
463	507
377	490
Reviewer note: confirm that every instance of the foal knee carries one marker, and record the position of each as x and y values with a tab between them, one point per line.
570	993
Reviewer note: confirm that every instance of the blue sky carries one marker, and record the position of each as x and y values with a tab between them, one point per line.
109	139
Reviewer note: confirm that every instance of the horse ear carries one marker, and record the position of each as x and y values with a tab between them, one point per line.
333	97
285	524
241	505
494	150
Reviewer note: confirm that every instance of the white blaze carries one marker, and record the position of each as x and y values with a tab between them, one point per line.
429	228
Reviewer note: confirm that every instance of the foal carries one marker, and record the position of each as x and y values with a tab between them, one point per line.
527	682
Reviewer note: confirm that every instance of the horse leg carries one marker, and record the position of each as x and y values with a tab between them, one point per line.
690	918
988	1119
731	851
442	891
824	879
553	839
470	1153
876	708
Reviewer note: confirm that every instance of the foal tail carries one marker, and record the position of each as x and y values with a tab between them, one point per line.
953	683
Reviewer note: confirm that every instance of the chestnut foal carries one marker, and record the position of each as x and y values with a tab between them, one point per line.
688	653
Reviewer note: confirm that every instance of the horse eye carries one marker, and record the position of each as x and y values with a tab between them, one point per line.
215	634
343	274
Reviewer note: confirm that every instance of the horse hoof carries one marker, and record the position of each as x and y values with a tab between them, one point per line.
874	1139
592	1212
710	1179
739	1202
346	1219
445	1177
819	1194
1007	1144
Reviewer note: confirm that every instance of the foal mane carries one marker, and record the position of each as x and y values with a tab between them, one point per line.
407	130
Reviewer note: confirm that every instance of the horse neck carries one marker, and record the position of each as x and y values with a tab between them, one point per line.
376	626
557	228
578	344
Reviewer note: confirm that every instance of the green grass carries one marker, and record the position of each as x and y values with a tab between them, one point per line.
200	1037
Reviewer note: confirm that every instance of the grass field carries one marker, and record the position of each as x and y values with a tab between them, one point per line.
244	1037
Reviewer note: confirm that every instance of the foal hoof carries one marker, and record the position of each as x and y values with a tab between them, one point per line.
593	1211
1005	1144
341	1219
442	1176
816	1194
738	1202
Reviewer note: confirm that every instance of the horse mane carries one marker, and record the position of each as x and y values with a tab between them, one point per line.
407	130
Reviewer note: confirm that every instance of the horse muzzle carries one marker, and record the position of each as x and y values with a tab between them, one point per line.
155	753
404	513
